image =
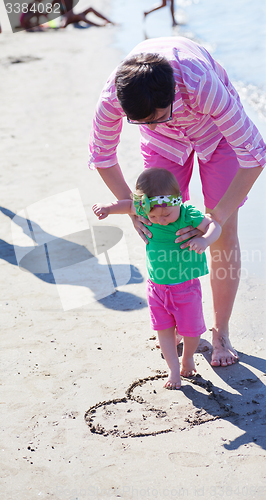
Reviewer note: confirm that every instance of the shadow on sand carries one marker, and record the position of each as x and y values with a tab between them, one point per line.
80	259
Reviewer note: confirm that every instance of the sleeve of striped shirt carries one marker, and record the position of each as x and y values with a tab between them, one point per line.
105	133
212	97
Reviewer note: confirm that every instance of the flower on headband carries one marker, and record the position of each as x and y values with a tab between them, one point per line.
176	200
160	199
147	204
169	200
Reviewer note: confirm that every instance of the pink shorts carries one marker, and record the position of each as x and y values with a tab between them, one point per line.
176	305
216	175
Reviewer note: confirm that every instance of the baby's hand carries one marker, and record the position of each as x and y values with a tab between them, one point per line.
102	211
199	245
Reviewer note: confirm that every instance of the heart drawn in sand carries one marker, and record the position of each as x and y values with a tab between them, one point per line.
135	415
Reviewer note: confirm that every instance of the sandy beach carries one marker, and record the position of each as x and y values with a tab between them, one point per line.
84	414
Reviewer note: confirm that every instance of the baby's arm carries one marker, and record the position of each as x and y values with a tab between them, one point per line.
118	207
212	231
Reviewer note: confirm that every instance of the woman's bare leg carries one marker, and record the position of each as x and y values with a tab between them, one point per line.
225	274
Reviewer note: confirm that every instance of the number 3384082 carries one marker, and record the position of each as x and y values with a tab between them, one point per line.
39	7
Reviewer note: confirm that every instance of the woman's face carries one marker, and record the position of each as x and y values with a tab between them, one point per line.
161	114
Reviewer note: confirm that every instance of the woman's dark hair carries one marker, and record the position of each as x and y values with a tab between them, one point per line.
144	82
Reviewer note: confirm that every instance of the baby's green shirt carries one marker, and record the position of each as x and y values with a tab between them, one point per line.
166	262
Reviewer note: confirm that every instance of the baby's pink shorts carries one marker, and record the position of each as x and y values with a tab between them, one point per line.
216	175
176	305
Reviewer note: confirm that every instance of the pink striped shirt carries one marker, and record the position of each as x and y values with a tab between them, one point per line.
206	108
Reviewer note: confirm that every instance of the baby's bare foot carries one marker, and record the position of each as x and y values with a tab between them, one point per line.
188	367
174	381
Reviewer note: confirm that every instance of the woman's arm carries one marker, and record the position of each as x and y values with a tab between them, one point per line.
215	97
114	180
235	194
227	112
220	101
104	139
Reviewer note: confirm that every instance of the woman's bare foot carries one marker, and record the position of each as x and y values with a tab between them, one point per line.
188	367
179	339
174	380
223	353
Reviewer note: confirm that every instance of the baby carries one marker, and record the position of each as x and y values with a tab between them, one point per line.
173	286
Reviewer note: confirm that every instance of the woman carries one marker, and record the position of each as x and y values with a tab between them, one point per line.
184	103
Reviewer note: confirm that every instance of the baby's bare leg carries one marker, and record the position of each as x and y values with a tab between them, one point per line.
167	339
190	345
179	338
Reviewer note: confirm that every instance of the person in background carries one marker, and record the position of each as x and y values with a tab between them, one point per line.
69	17
30	20
160	6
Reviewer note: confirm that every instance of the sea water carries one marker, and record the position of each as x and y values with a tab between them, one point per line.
234	32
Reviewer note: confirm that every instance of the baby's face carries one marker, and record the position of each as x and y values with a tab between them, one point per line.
164	215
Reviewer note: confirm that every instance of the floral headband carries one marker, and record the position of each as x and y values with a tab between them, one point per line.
147	204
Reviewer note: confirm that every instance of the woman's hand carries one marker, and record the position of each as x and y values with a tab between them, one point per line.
187	233
142	230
